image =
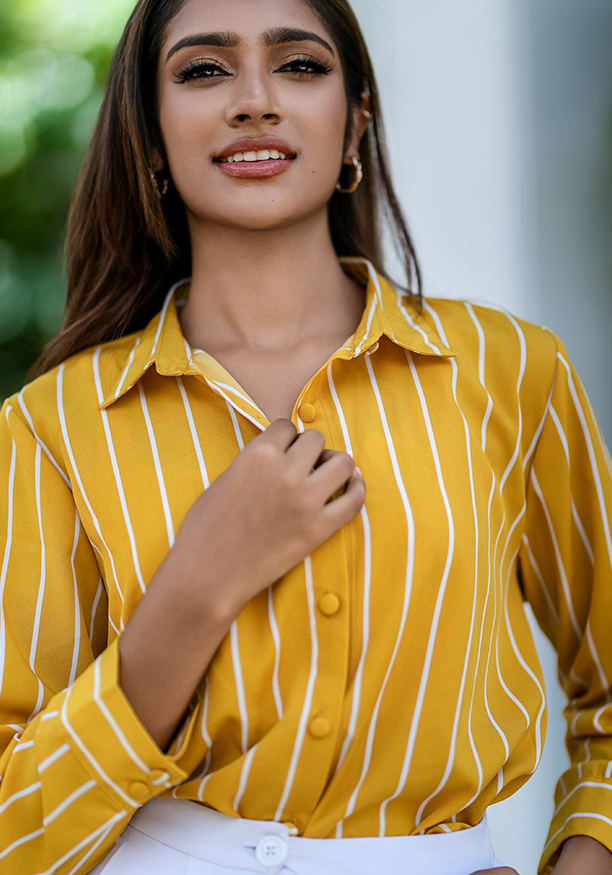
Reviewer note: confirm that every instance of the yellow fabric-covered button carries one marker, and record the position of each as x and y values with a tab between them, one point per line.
139	791
329	604
307	412
319	727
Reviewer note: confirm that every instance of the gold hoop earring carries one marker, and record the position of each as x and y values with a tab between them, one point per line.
161	193
356	162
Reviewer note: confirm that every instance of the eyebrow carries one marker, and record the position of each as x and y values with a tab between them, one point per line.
277	37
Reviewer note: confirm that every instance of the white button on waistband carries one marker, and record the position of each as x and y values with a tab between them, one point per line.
271	851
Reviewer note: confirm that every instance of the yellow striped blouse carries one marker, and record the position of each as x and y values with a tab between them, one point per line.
389	684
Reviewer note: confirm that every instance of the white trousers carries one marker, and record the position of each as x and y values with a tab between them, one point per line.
178	837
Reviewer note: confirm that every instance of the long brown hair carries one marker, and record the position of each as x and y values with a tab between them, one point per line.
125	247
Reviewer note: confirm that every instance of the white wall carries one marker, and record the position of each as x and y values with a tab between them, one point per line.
476	116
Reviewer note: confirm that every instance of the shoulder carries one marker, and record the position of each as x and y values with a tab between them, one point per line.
70	392
495	335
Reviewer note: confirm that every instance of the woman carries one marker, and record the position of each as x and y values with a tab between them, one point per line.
345	683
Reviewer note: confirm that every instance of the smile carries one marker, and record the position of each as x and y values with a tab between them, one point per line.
263	155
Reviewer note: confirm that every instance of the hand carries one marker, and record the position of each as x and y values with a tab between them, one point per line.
582	854
270	509
503	870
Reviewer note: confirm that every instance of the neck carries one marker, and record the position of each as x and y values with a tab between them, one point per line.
267	289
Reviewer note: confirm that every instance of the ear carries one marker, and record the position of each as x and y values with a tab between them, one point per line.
157	162
361	120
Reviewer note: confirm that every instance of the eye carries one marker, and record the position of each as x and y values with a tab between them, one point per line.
306	67
203	70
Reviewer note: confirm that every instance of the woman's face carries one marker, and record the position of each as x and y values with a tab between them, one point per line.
239	80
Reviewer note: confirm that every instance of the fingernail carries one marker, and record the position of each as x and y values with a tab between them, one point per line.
359	472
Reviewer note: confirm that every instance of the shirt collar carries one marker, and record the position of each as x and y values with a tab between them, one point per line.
388	312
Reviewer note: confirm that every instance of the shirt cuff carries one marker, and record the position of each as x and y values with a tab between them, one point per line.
583	807
106	736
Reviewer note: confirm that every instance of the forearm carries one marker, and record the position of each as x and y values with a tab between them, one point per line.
168	644
580	855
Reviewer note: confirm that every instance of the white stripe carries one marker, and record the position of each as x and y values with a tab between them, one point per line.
116	472
314	664
407	588
24	745
240	693
194	434
367	586
481	374
494	624
81	863
158	468
94	610
591	450
204	725
52	758
562	574
244	777
241	395
476	672
53	815
7	553
528	670
20	795
587	814
94	518
583	535
367	328
126	369
77	607
49	715
244	413
40	442
539	430
89	756
119	733
502	563
561	433
41	586
538	574
22	841
278	701
103	830
236	425
453	745
424	680
162	319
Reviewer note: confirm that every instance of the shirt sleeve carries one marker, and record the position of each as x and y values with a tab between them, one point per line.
75	761
566	571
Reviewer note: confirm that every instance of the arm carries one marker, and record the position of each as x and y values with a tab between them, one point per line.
77	761
176	629
566	572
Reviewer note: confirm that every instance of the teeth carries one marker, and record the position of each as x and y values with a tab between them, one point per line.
263	155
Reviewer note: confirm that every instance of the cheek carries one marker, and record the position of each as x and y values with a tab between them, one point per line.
185	123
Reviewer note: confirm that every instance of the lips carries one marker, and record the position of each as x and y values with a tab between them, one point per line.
250	145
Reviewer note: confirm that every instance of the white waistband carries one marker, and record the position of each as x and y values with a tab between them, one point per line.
268	848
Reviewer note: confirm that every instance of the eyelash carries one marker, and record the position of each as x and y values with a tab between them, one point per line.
203	69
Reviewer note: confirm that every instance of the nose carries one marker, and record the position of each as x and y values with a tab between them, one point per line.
254	99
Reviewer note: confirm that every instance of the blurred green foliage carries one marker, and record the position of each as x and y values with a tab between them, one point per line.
54	60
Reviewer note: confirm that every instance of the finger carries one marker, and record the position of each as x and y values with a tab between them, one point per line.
331	475
341	510
306	449
282	433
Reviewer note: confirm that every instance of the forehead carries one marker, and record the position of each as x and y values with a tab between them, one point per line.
246	18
